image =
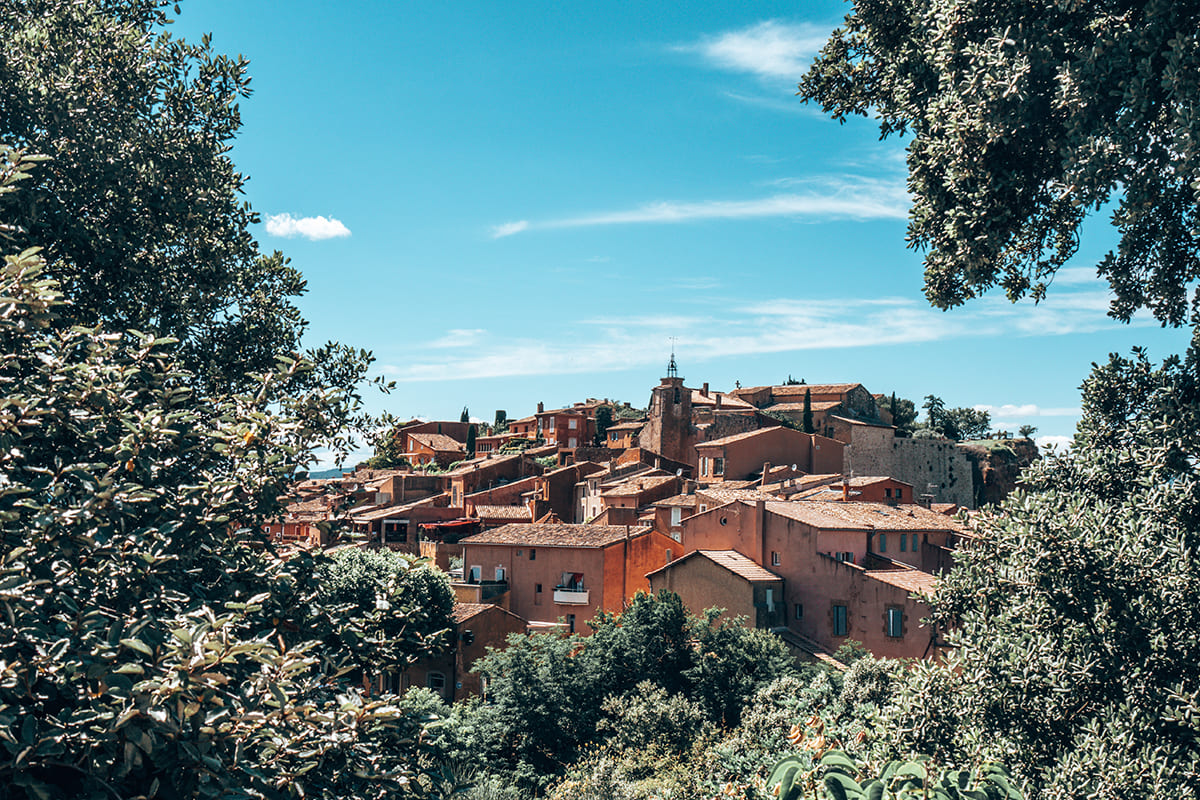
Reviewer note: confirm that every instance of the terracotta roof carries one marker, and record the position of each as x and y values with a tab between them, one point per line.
738	437
824	405
628	426
739	565
724	496
678	501
483	462
871	480
863	516
439	442
814	388
912	580
502	512
464	611
727	400
637	485
949	509
555	535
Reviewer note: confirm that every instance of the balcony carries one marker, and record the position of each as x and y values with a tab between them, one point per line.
570	596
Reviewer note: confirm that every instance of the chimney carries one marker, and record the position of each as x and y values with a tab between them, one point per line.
766	469
845	490
704	390
718	399
541	407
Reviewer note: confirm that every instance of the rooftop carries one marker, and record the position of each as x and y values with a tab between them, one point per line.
438	441
560	535
502	512
739	565
739	437
863	516
911	580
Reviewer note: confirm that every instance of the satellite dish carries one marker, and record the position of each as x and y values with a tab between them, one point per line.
793	467
679	472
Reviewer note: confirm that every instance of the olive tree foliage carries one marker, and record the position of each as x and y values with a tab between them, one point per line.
1075	610
1025	116
138	209
151	641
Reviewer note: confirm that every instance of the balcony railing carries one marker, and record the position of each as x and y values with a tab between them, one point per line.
571	597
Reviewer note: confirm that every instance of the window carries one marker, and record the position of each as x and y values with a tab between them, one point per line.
572	442
883	542
887	493
520	553
903	542
894	617
676	516
914	547
845	557
474	574
499	573
703	508
668	555
537	588
571	623
770	601
704	465
774	558
840	627
799	610
572	423
435	681
718	465
899	493
533	554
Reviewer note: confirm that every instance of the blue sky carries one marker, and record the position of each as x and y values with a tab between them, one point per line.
518	202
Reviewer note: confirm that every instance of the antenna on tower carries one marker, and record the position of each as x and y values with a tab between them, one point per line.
672	369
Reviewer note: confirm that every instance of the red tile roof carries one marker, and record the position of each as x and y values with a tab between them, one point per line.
911	580
731	560
502	512
857	516
561	535
738	437
439	442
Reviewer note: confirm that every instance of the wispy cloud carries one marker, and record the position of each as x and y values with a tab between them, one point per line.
459	337
770	49
840	197
509	228
614	343
1025	410
1059	443
311	228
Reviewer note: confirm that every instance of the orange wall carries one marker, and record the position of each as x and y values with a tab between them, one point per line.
524	574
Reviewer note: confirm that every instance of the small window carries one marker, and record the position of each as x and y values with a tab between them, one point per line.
704	465
899	493
474	574
718	465
571	423
571	623
774	558
533	554
676	516
895	622
435	681
520	553
914	547
799	610
883	542
724	520
668	555
499	573
840	622
703	508
887	493
537	588
903	542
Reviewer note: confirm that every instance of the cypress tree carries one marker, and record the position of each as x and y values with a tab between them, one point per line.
808	420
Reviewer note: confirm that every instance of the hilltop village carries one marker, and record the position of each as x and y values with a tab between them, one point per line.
541	522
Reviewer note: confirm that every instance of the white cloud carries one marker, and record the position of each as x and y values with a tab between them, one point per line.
312	228
842	197
770	49
509	228
1060	443
1027	410
459	337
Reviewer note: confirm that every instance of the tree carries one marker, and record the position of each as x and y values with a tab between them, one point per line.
392	609
904	414
955	423
1027	431
1075	609
139	208
153	642
389	445
1023	117
807	418
465	416
470	441
604	421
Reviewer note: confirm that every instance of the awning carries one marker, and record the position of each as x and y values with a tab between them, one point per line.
450	523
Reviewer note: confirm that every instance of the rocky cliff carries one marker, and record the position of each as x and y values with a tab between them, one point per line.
996	466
